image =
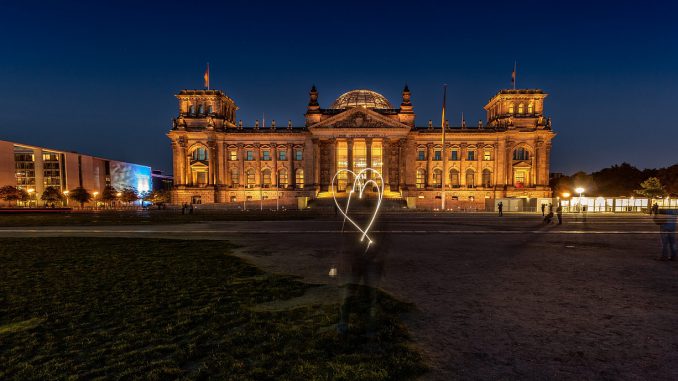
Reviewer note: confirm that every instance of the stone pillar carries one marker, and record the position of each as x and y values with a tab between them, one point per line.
257	156
429	165
211	169
445	153
462	165
242	154
349	153
368	155
333	159
274	171
386	163
291	178
222	164
315	163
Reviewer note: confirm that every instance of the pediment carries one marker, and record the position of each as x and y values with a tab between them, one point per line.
522	164
359	117
199	164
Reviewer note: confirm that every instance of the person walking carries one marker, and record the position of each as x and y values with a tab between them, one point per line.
655	209
500	206
667	234
559	213
543	208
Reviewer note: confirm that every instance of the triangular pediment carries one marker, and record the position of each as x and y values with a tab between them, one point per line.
522	164
359	117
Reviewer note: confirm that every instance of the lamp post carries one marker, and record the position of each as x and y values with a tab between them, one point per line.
580	190
95	194
566	195
118	195
30	191
66	194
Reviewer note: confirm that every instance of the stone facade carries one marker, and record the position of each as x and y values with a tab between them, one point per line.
218	160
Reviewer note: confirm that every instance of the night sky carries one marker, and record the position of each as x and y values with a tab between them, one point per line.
100	79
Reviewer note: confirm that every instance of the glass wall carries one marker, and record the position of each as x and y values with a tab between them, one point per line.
51	169
377	159
342	163
24	165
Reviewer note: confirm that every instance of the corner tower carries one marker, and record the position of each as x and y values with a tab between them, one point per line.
517	108
205	109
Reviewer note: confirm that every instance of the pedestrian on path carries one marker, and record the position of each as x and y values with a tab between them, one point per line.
559	213
543	208
500	206
667	234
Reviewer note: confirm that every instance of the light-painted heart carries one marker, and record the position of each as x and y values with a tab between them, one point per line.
360	182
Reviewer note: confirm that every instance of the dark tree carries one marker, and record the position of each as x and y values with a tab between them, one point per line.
11	193
51	195
129	195
109	194
80	195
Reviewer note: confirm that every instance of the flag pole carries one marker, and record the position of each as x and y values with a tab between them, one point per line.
514	74
442	150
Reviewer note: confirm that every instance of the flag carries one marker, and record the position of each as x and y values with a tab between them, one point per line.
513	76
206	77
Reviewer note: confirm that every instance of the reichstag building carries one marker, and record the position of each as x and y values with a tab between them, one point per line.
219	160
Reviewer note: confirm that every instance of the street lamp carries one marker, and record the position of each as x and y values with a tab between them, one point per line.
580	190
95	194
30	196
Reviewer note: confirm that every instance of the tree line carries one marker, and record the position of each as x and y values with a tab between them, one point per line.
623	180
109	195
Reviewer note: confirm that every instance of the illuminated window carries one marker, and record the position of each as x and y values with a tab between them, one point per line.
199	154
24	166
421	154
377	159
511	109
437	178
235	177
421	178
487	155
454	178
250	156
521	154
282	155
342	163
471	155
437	155
266	178
519	179
520	108
200	178
266	155
251	178
530	109
282	178
233	155
454	156
201	109
51	170
470	179
299	178
191	110
209	109
487	178
298	154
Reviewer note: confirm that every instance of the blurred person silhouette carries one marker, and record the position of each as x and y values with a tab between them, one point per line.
559	213
361	264
543	208
500	206
666	219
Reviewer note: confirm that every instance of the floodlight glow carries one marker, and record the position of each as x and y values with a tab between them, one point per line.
360	182
566	194
579	190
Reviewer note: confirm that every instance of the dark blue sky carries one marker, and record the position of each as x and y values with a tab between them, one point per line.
100	77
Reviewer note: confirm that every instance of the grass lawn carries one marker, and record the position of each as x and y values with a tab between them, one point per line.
147	217
73	308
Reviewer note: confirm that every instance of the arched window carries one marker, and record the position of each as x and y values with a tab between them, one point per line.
421	178
251	178
470	179
511	108
530	109
235	177
487	178
209	109
201	109
437	178
454	178
199	154
282	178
191	110
266	178
521	153
521	108
299	178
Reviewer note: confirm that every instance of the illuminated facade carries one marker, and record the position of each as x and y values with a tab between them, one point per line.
218	160
36	168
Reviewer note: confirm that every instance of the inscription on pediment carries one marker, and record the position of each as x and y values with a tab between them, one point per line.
359	119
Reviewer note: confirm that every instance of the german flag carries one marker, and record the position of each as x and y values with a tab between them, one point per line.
206	77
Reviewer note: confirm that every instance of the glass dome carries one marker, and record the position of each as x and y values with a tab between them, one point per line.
361	98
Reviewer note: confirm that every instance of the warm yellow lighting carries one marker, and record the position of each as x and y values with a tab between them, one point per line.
566	194
579	190
118	194
31	190
66	193
95	194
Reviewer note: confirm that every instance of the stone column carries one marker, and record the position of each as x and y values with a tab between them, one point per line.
462	165
211	169
222	164
429	165
257	156
386	163
315	163
291	179
349	153
368	155
274	171
333	159
242	154
445	153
